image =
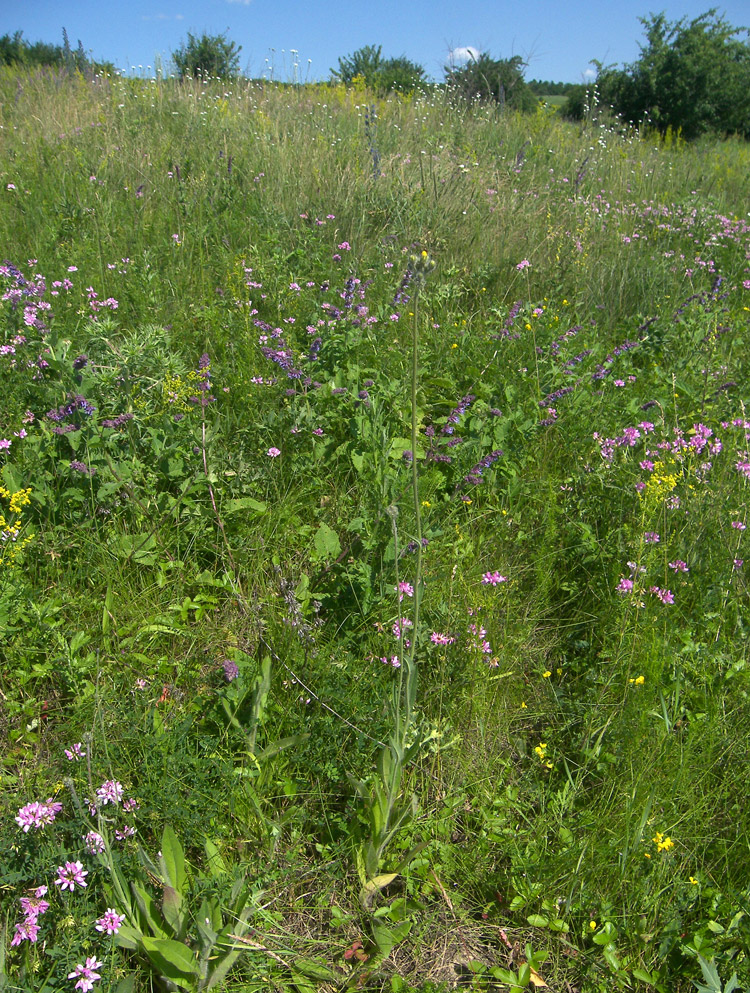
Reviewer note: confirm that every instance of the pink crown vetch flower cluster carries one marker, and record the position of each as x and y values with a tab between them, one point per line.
33	907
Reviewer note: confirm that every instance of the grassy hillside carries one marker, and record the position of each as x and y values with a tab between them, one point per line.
374	493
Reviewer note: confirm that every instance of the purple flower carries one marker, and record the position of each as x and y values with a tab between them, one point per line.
37	815
27	930
493	578
739	525
110	792
624	587
86	974
679	566
231	670
651	538
75	753
110	921
437	638
71	875
94	843
666	596
404	589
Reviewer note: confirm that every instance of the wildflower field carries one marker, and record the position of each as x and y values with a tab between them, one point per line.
374	481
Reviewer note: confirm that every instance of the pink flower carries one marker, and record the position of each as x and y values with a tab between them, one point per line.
110	792
274	453
651	538
94	843
75	753
493	578
624	587
441	639
739	525
110	921
86	974
666	596
71	875
523	264
37	815
404	589
679	566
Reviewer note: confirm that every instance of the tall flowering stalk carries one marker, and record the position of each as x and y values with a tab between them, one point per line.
386	807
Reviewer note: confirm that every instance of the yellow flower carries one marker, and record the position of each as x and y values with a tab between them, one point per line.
523	705
558	671
662	844
546	674
593	925
693	881
541	749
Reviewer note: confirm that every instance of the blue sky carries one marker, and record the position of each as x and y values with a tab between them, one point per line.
558	39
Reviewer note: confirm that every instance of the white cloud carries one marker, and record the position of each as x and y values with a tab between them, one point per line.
589	74
245	3
464	53
159	17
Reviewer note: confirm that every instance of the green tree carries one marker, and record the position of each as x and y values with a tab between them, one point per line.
380	74
498	80
209	55
692	76
400	74
365	62
16	51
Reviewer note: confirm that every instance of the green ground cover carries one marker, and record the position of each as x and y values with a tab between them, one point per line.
373	578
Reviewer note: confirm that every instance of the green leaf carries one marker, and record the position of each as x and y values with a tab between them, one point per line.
12	477
315	969
126	985
141	548
128	937
171	908
173	860
244	503
327	544
149	910
173	960
214	861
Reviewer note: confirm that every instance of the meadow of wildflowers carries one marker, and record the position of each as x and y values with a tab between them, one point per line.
373	510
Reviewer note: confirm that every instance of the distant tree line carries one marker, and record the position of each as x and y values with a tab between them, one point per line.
15	50
691	77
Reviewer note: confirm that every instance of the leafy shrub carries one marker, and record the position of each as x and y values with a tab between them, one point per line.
380	74
498	80
691	76
209	55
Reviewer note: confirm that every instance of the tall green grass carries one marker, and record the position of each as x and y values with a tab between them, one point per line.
206	600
